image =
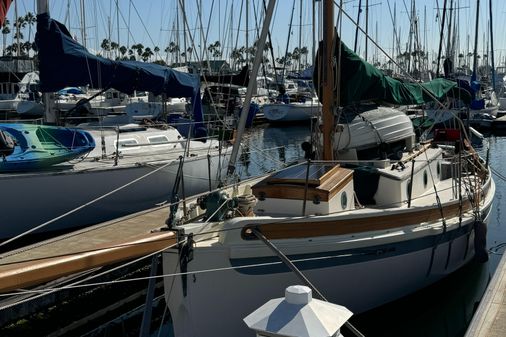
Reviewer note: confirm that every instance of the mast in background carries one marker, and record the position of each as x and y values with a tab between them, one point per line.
475	56
251	85
492	47
49	112
83	24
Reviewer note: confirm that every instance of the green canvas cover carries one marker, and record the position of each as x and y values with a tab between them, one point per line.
361	81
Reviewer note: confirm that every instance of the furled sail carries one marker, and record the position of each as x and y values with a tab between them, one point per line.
361	81
63	62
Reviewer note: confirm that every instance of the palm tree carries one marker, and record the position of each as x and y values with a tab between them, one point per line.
31	20
189	50
105	45
139	48
172	49
114	46
18	35
123	50
146	55
5	31
296	56
304	52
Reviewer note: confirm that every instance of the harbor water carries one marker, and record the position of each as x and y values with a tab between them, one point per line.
442	310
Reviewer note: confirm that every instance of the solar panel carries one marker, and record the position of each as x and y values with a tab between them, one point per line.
297	174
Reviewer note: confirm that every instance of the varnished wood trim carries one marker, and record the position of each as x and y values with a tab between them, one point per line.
296	192
308	229
324	192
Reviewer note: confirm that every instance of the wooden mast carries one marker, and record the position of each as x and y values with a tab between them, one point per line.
328	80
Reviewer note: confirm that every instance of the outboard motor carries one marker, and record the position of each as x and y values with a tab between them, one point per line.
7	144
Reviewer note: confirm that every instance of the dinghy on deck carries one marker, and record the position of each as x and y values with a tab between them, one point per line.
41	146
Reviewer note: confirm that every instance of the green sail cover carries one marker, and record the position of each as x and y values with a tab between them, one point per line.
361	81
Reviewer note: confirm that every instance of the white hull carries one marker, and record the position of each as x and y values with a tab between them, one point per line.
357	257
152	110
30	108
446	116
9	104
384	275
34	198
291	112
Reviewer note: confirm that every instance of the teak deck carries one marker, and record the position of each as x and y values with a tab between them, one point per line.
110	242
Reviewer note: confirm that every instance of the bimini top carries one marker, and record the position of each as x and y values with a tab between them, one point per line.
362	82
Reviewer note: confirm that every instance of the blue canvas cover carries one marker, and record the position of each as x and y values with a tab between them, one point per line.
63	62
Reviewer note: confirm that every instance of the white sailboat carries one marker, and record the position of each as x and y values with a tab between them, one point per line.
364	233
292	111
132	168
141	164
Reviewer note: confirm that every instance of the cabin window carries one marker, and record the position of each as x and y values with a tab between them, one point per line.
344	200
127	144
438	170
158	139
425	179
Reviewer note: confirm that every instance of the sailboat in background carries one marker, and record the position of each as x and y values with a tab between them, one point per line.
347	225
133	169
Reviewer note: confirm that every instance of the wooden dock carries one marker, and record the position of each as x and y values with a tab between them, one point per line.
490	318
114	241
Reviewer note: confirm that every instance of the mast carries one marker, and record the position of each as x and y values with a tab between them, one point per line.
366	27
184	33
49	114
314	31
288	43
475	58
117	26
251	85
18	47
441	38
449	51
358	24
492	46
178	42
247	30
300	32
328	79
83	24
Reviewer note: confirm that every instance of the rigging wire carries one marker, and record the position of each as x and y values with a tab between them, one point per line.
461	123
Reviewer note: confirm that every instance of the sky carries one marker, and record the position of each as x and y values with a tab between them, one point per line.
153	23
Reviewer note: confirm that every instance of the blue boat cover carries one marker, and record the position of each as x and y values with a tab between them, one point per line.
63	62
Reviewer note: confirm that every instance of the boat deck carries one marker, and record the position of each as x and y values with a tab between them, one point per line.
490	318
110	242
